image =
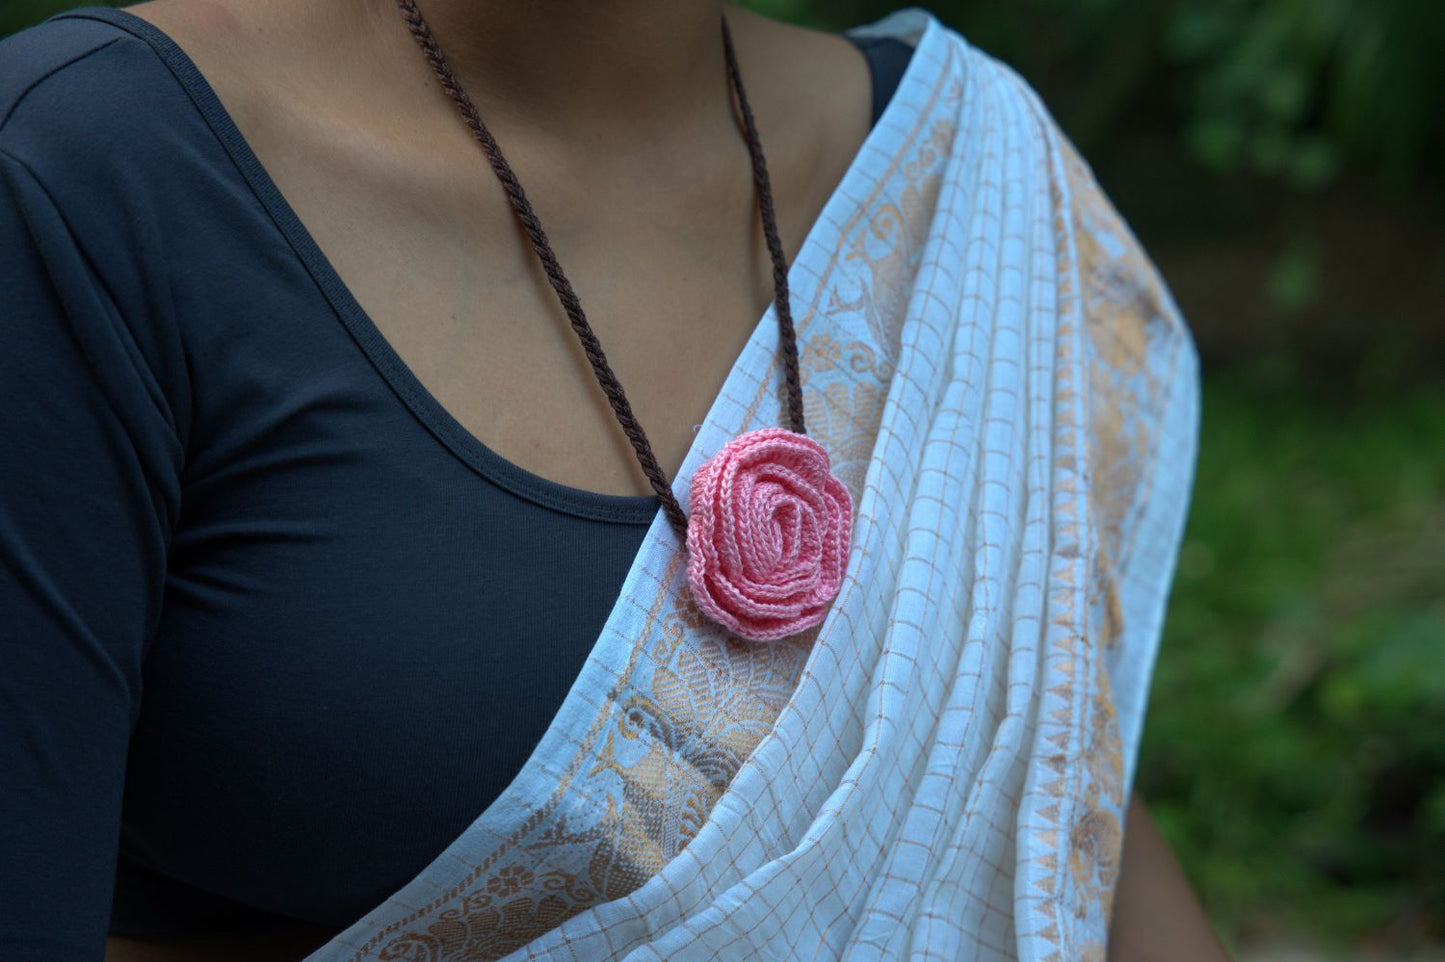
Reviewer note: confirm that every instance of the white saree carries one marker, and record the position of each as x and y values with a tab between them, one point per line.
940	769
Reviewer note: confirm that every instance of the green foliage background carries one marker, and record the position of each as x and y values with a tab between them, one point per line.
1281	160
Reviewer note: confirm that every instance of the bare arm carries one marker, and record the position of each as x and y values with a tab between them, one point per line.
1156	914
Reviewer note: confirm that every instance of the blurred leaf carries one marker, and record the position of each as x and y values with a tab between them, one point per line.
1295	280
1218	142
1292	742
1315	162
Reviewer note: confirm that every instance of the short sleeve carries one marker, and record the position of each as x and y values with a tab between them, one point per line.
90	468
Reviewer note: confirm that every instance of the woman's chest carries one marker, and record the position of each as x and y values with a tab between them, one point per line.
361	644
672	276
661	241
465	305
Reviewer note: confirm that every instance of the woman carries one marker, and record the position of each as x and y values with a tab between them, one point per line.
342	615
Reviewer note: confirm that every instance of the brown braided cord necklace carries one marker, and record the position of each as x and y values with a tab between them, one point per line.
768	535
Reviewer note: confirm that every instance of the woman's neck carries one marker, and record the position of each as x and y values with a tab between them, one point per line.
593	72
624	96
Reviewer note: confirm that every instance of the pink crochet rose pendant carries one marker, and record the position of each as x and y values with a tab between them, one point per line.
767	534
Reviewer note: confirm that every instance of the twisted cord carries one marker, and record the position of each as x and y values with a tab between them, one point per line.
522	208
788	337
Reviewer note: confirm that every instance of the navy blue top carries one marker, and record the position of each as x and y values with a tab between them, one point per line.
274	628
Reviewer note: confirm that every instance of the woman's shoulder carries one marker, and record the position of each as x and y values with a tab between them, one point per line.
87	96
70	71
103	125
119	191
43	52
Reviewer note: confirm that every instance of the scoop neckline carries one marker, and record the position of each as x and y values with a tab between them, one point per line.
413	393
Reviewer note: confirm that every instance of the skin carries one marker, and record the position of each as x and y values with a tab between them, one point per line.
1156	915
616	117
